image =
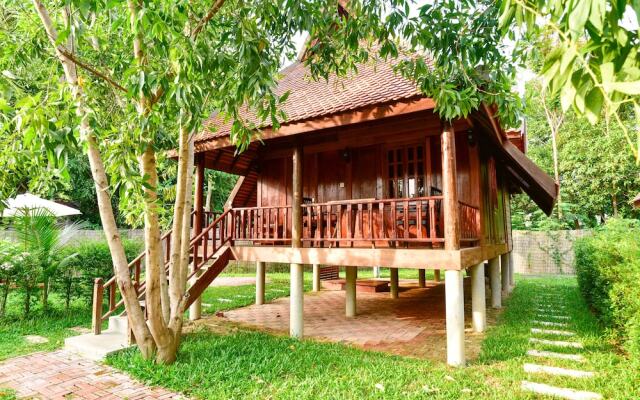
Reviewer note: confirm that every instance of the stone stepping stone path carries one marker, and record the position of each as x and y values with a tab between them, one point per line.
552	354
552	332
548	323
552	315
563	393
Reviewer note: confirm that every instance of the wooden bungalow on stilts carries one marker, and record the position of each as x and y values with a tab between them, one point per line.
364	173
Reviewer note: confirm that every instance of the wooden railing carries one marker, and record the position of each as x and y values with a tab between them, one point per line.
374	223
205	244
270	225
469	222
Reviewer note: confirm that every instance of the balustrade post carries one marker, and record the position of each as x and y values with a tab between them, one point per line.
112	296
98	290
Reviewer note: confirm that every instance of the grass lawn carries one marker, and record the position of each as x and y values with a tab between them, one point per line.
247	364
53	324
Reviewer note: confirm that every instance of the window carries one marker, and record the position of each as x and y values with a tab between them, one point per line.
406	172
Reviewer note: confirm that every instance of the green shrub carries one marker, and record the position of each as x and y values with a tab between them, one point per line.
92	260
608	268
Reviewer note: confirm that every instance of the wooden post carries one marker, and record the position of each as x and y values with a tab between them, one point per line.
350	291
454	289
436	275
112	296
393	272
195	310
96	322
260	282
316	277
449	189
422	278
296	314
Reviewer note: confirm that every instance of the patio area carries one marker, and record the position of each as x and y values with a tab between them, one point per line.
412	325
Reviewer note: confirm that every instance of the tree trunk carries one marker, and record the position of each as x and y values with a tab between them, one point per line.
153	249
614	203
45	293
556	169
121	267
207	204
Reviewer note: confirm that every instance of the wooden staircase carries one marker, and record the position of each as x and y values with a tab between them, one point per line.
209	254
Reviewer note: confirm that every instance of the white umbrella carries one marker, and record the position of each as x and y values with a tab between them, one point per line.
27	201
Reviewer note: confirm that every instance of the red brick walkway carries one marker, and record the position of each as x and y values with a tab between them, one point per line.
413	324
61	375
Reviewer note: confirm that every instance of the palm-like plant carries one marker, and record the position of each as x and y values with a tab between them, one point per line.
41	236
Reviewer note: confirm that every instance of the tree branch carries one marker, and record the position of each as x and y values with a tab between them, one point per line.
215	7
68	55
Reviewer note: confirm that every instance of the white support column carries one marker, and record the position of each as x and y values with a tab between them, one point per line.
296	321
478	302
393	282
436	275
316	277
504	268
494	277
296	308
454	293
422	278
512	282
376	272
260	281
195	309
351	274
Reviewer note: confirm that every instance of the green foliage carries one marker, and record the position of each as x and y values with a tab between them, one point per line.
608	268
89	260
598	175
595	66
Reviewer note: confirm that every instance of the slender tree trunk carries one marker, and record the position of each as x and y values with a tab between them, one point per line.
5	296
207	204
45	293
556	169
121	267
614	203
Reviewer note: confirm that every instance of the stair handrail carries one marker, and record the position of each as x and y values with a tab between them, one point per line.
135	267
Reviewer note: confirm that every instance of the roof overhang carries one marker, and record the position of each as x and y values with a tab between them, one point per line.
540	187
365	114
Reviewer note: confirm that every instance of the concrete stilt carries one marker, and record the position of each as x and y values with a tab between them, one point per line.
296	317
393	282
376	272
436	275
316	277
478	302
494	277
350	291
195	309
260	280
422	278
504	268
454	294
512	282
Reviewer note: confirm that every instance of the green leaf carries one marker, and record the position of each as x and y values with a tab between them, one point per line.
630	88
567	95
578	17
593	105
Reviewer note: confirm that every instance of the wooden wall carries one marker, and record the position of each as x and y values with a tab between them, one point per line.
352	163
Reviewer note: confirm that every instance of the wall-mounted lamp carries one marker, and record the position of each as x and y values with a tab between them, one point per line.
471	138
346	155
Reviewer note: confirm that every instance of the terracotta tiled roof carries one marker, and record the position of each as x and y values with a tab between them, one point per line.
375	83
